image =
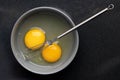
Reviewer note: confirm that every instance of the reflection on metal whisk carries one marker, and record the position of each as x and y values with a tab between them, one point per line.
110	7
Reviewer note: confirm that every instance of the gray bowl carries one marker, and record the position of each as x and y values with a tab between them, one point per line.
16	41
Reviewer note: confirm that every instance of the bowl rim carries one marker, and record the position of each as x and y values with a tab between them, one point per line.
64	15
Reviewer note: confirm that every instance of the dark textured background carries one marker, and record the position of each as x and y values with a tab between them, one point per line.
98	57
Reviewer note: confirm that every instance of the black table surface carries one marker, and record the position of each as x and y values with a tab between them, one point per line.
98	56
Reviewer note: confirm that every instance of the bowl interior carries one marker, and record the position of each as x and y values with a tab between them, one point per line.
53	22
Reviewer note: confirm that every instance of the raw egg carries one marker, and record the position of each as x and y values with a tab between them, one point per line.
34	38
51	53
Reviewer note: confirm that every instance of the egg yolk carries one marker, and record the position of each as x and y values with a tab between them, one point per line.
34	38
51	53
